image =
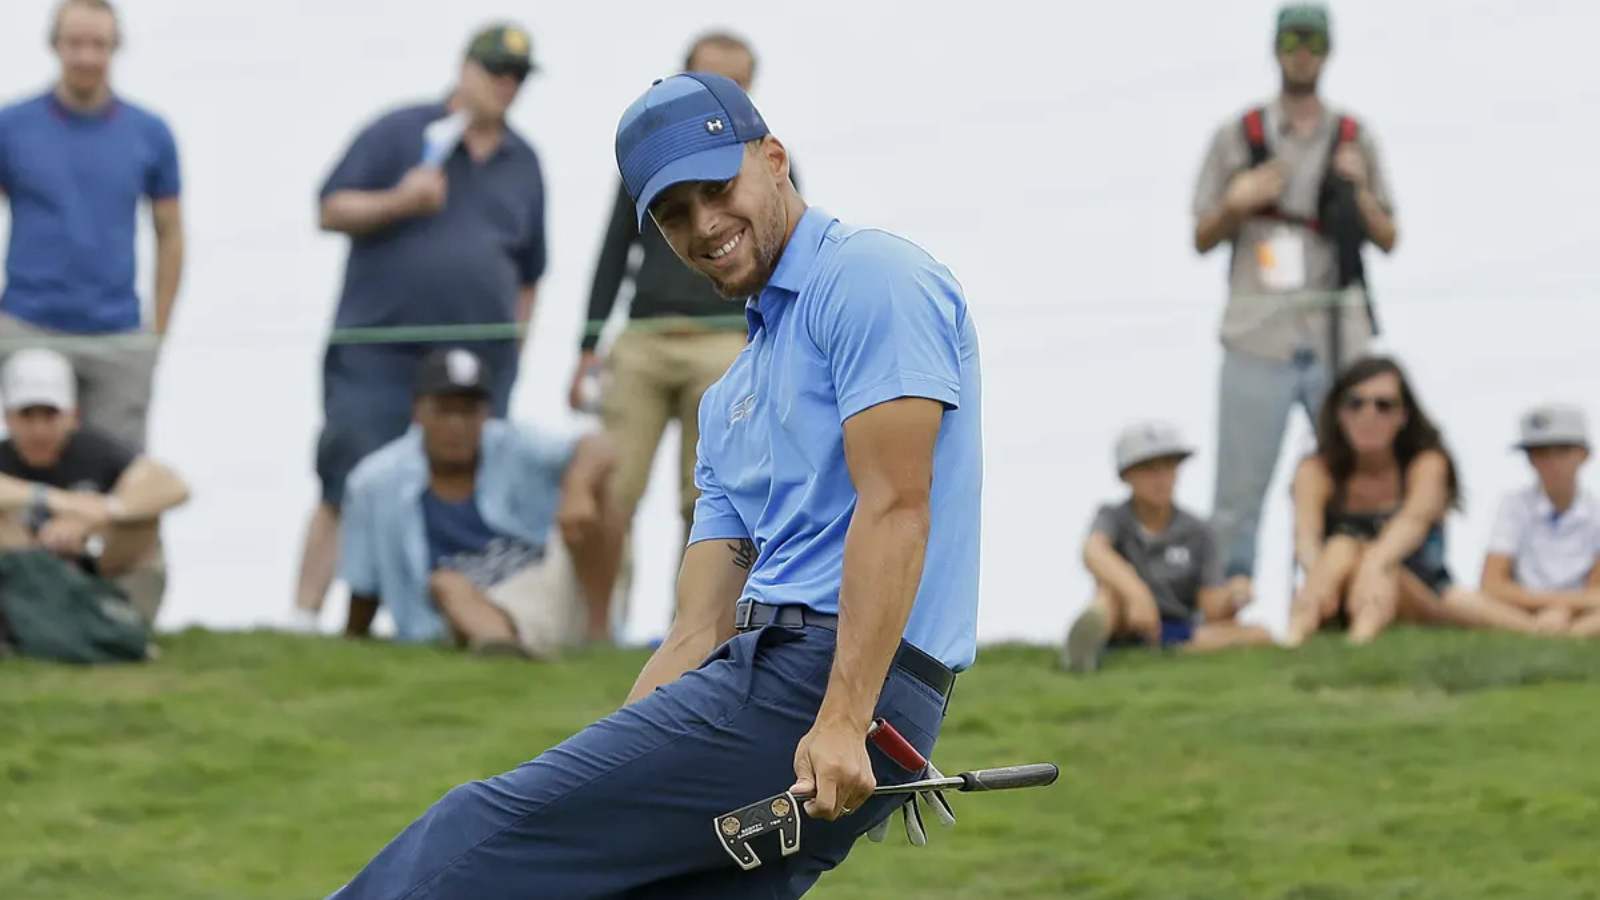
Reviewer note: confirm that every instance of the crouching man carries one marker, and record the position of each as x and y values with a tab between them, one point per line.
78	492
497	537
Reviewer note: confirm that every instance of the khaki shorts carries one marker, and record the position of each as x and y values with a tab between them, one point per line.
544	602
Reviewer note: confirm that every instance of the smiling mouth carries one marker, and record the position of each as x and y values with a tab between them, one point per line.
725	249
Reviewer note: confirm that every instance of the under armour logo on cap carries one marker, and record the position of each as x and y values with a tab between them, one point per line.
714	126
462	367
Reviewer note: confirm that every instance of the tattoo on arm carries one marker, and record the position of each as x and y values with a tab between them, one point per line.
744	553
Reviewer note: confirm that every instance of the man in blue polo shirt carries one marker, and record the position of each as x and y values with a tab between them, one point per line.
832	573
74	164
444	206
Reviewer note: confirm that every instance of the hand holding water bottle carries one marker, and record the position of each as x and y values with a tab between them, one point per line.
424	189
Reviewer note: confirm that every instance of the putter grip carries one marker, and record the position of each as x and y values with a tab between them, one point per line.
1008	777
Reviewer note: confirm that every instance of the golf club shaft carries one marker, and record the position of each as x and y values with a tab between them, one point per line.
1004	778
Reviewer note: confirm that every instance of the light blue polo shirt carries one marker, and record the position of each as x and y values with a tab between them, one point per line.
851	318
383	542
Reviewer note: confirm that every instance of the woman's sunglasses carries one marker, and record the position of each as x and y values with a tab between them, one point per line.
1314	41
1384	406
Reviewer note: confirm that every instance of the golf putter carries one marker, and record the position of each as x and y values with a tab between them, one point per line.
892	744
781	812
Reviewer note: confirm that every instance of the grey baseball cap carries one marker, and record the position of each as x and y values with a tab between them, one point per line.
1554	425
1143	441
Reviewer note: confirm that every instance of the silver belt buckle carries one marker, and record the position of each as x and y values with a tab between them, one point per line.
743	614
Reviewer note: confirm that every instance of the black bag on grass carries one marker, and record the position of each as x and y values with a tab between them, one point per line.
53	609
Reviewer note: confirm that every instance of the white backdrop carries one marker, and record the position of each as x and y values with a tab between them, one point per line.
1046	154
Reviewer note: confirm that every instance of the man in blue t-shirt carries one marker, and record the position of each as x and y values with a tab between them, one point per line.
75	162
471	529
444	206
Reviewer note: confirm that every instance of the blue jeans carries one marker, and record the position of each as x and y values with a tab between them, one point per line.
1252	412
625	808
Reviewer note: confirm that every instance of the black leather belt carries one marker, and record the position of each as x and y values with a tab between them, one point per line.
750	615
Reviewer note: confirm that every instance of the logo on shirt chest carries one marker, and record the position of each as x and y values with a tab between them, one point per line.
1178	557
741	409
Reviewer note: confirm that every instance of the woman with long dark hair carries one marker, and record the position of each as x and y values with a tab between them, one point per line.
1370	506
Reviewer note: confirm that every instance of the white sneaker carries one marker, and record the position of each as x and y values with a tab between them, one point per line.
304	621
1085	641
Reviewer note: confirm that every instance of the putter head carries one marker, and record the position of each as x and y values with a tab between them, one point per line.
736	829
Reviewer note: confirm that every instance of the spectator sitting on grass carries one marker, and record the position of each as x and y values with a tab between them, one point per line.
76	491
1544	553
1158	574
1370	506
499	537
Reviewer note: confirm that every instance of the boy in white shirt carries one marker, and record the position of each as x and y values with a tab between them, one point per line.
1544	553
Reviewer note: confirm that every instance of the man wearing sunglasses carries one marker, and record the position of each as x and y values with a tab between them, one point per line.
444	206
1295	188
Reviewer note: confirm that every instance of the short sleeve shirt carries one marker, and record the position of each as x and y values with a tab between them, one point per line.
74	181
91	461
851	318
1174	564
462	265
1260	321
1549	552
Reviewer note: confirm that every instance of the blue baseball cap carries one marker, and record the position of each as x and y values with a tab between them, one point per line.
690	127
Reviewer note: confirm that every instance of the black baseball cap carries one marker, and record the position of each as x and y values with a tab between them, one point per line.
502	45
453	370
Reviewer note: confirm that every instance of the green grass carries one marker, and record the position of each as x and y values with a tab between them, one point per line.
1441	765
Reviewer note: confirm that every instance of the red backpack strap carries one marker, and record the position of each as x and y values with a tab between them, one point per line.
1255	135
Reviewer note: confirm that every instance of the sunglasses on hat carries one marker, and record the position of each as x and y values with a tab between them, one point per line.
1294	39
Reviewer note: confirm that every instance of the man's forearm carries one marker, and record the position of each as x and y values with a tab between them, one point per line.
15	493
710	579
169	273
358	213
685	647
883	559
1380	225
147	490
1213	228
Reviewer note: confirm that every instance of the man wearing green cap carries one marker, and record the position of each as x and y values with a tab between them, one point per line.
444	206
1295	188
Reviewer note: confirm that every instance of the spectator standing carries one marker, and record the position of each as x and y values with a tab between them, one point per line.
444	206
77	491
1293	187
1544	552
499	537
681	336
75	162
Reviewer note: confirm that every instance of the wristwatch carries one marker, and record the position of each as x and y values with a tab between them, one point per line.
39	503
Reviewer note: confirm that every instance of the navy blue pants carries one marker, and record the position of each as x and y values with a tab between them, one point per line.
625	808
